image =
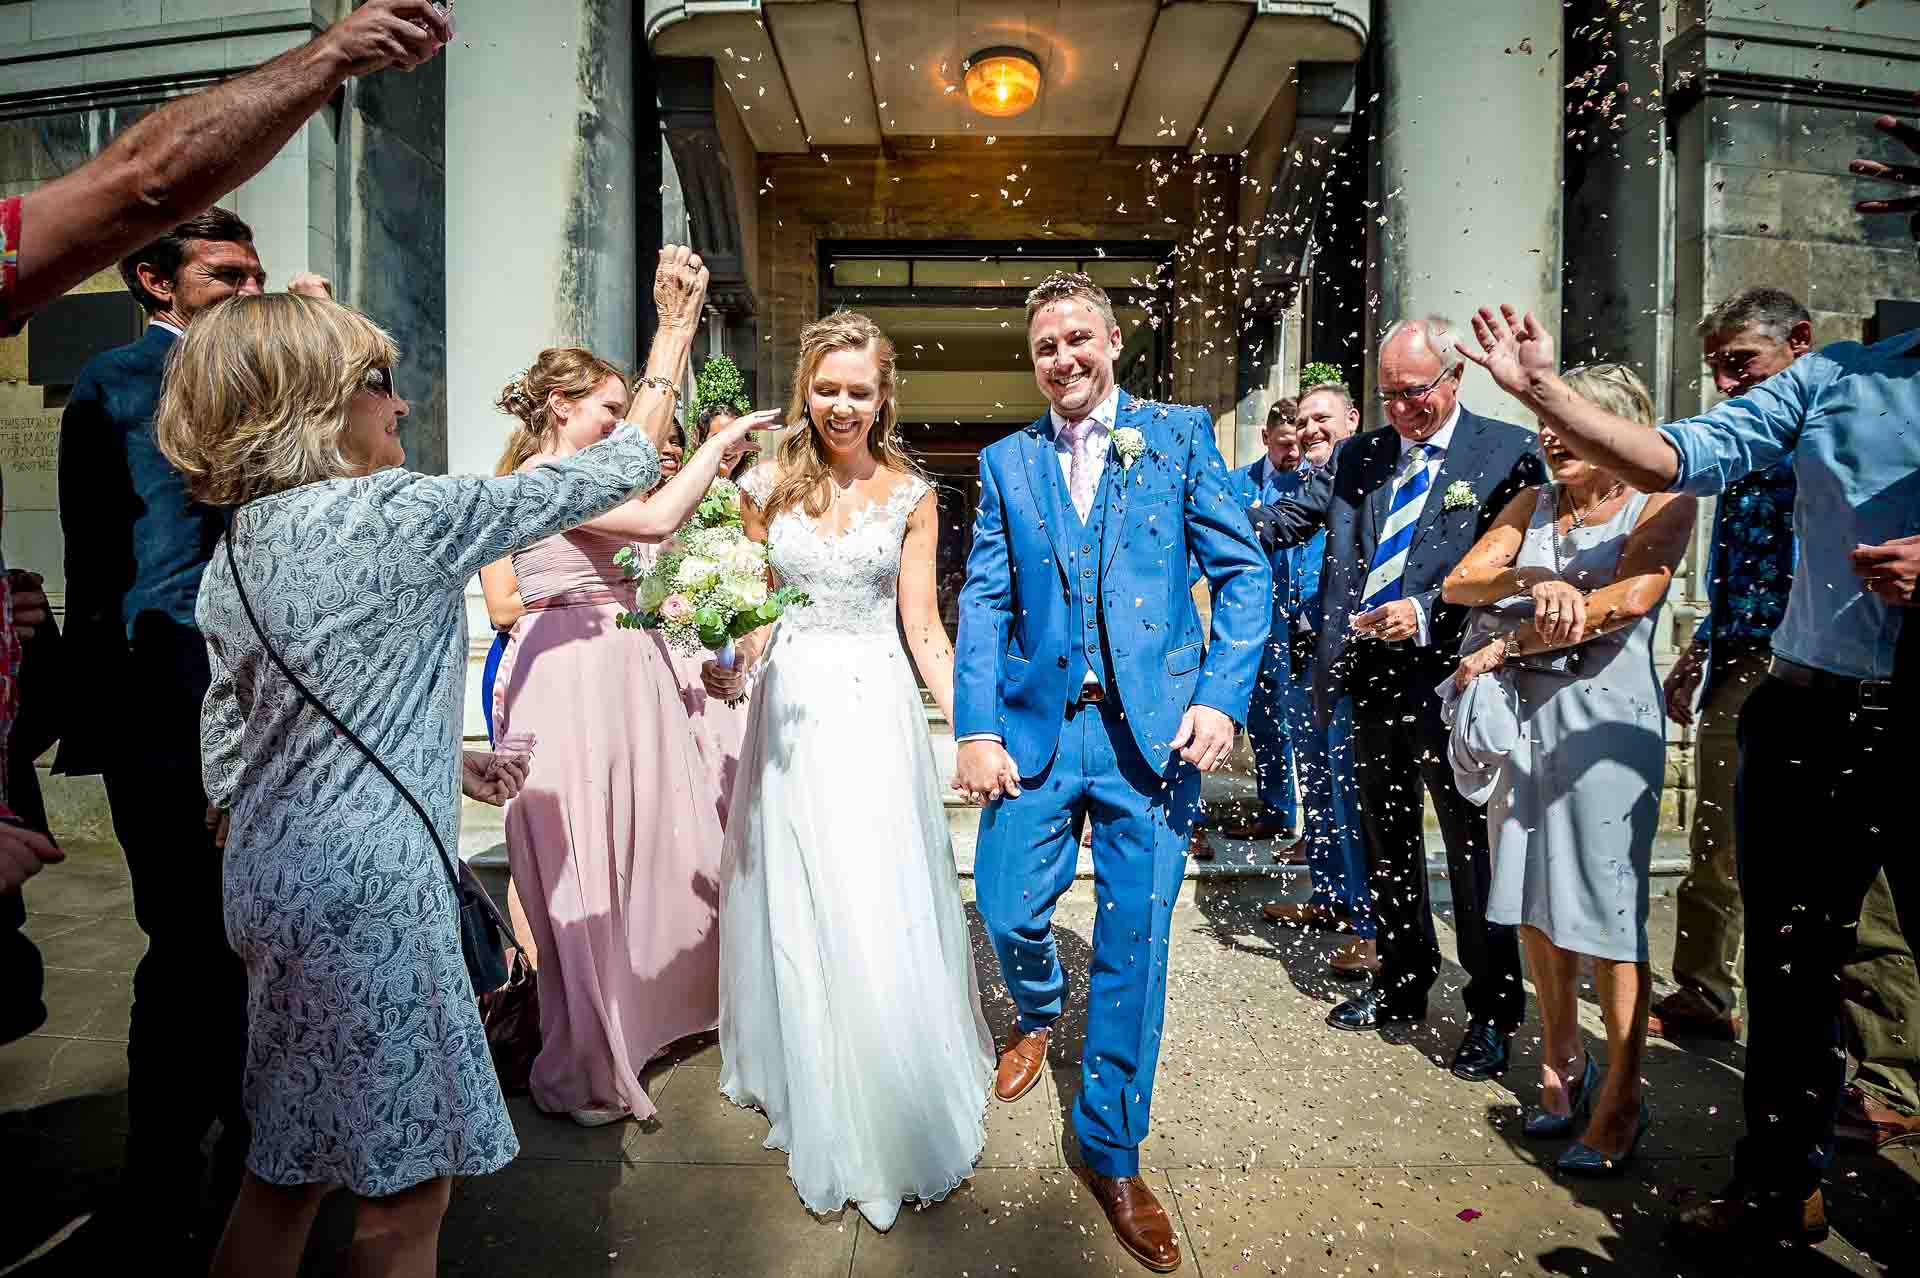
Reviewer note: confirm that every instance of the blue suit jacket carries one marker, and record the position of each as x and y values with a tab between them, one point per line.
1348	500
1296	568
1013	656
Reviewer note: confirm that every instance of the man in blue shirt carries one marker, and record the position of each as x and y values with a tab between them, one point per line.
136	545
1821	762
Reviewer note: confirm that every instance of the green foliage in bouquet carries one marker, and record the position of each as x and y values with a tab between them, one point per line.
720	382
1320	373
708	584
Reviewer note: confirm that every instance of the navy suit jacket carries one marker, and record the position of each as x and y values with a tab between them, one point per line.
1012	660
136	544
1349	499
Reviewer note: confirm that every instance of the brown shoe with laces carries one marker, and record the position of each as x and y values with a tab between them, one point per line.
1021	1065
1138	1219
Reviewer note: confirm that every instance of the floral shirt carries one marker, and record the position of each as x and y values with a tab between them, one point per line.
1752	569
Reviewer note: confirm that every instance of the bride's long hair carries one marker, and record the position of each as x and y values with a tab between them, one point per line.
802	458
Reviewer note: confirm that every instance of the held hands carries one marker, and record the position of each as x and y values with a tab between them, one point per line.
1683	681
1395	621
985	771
490	777
1889	570
1205	737
23	854
390	33
1514	349
680	287
1559	613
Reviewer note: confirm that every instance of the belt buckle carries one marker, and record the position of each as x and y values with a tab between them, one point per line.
1876	695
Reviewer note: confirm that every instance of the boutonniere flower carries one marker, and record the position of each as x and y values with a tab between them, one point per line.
1129	443
1459	493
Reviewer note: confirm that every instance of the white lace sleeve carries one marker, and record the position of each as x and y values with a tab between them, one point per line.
758	483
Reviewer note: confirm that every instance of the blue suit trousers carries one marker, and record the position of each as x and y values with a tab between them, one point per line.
1330	804
1025	861
1270	732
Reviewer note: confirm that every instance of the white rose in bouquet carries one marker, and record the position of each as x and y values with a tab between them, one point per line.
695	572
745	557
744	590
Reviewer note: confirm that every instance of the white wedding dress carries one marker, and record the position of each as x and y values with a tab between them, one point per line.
849	1011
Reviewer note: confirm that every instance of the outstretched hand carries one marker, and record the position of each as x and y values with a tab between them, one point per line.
680	287
1205	737
1905	174
1514	348
732	439
390	33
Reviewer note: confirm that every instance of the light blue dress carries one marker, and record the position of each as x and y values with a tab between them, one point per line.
367	1065
1573	816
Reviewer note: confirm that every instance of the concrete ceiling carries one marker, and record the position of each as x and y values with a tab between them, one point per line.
1148	73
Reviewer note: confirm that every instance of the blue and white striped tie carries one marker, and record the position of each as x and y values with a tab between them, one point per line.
1396	538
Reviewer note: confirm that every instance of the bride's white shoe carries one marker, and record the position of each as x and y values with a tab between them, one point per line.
880	1215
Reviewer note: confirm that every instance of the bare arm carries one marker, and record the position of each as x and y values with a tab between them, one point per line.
1518	352
1654	548
660	514
501	589
920	606
176	162
1487	575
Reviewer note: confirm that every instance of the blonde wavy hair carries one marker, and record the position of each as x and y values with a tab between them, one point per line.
802	459
573	371
1614	387
255	396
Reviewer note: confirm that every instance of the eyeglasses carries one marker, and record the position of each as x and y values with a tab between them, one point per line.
380	380
1411	394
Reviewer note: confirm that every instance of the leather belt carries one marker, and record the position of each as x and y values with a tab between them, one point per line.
1876	695
1091	694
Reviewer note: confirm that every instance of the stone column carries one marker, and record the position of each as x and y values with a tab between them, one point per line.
542	241
1469	179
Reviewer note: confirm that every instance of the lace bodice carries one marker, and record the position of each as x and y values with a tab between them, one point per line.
852	577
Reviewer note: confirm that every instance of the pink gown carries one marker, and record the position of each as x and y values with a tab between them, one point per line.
614	842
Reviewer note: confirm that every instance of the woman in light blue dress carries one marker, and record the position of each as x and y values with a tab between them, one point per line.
1573	575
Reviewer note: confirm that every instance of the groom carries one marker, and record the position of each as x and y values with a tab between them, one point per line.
1079	677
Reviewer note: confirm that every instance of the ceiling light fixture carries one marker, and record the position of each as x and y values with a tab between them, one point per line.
1002	82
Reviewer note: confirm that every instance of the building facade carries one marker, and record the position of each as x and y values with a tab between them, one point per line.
1259	182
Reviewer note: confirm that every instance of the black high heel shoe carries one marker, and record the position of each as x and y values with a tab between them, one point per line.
1541	1125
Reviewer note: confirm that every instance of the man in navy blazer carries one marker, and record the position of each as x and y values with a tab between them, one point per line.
1083	693
1401	507
136	544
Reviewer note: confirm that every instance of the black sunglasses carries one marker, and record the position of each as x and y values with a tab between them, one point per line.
381	380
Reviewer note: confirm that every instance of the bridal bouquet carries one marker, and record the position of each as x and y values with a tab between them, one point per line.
708	585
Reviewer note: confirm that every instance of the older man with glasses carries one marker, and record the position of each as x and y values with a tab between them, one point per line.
1400	508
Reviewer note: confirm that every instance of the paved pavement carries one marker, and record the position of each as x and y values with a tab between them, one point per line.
1282	1147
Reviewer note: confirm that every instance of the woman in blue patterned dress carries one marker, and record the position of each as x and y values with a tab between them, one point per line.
367	1066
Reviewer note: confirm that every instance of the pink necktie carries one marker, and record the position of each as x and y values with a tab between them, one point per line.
1080	472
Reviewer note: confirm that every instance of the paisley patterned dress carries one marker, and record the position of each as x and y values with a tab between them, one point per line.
367	1065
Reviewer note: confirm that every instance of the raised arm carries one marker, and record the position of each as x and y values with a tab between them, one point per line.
920	606
176	162
660	514
679	293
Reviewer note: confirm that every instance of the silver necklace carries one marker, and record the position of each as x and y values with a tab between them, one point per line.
1576	520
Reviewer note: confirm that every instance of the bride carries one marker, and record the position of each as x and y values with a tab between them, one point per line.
849	1011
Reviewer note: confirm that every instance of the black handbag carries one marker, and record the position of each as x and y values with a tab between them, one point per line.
481	927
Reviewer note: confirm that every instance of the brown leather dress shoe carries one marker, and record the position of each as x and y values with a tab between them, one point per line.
1866	1124
1678	1016
1021	1065
1355	960
1198	846
1301	914
1138	1220
1738	1222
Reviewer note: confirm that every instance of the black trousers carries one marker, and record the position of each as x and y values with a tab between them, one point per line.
1400	746
1816	776
186	1047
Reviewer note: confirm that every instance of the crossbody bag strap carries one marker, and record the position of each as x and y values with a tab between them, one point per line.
234	569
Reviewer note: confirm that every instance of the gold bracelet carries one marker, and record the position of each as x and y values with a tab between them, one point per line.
658	383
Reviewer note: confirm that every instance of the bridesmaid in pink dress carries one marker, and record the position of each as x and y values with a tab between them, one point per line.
614	842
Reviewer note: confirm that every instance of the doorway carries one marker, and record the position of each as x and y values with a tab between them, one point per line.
956	312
